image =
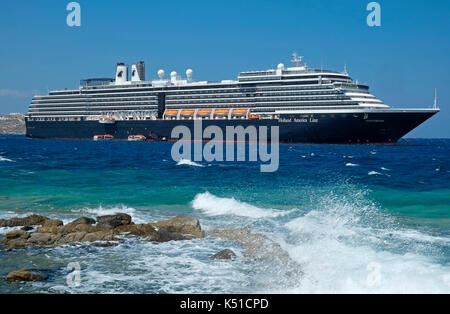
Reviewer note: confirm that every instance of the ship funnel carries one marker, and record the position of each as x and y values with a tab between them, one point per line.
138	72
121	73
189	74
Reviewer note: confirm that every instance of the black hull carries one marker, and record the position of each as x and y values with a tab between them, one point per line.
386	126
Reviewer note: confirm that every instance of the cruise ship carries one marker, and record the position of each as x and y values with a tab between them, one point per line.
307	105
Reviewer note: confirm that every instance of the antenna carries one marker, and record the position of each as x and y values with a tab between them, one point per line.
435	99
296	59
345	69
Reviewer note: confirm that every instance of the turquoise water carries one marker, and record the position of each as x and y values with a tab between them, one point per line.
336	209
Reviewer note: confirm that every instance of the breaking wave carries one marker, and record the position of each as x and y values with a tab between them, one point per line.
188	162
215	206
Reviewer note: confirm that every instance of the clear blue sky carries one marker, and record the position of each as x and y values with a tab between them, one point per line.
403	60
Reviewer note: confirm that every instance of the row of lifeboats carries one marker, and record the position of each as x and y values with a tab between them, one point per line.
208	113
108	137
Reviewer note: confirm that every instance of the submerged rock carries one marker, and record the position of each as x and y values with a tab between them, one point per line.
25	275
258	246
224	254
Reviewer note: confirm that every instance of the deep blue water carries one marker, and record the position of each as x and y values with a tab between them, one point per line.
336	209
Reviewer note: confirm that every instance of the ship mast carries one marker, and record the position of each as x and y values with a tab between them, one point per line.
296	59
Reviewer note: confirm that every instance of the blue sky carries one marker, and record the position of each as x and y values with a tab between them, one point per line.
403	60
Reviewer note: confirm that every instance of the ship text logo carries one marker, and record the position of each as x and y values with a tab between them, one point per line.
237	144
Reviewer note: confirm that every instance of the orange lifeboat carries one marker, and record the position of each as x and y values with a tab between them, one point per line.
239	111
136	138
106	120
103	137
204	111
253	116
171	112
187	112
222	111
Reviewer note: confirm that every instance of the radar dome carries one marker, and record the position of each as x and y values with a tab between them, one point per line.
189	72
281	66
161	73
173	73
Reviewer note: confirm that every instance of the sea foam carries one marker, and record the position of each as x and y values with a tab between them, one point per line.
188	162
215	206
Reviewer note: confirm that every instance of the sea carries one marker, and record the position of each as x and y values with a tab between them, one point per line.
356	218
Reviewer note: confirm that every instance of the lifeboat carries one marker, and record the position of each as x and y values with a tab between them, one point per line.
136	138
171	113
221	113
239	112
106	120
187	113
253	116
204	112
103	137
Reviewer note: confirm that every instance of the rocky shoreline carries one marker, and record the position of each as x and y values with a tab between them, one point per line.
41	231
13	123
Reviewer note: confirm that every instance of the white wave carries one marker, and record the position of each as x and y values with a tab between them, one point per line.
5	159
374	173
349	164
373	152
188	162
215	206
385	169
339	253
137	216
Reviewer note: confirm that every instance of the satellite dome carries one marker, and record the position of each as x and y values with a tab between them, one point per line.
189	72
161	73
281	66
173	73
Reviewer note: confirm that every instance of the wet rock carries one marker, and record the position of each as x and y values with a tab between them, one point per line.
26	228
40	239
177	228
113	221
142	230
224	254
25	275
52	223
17	234
83	221
53	232
256	245
31	220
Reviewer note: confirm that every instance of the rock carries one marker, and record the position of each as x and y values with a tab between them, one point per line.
261	248
224	254
142	230
52	223
25	275
53	232
31	220
40	239
177	228
113	221
26	228
83	221
17	234
98	236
